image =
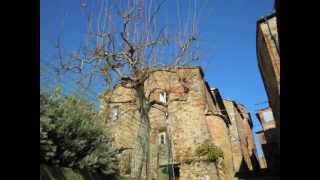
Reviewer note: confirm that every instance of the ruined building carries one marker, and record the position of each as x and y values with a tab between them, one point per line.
268	52
268	139
241	136
194	114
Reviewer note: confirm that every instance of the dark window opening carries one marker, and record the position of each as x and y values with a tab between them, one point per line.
168	171
162	138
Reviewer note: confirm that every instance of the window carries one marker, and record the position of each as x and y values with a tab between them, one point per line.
163	97
162	138
268	116
114	113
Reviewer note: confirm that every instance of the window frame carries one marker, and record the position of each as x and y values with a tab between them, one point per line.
163	97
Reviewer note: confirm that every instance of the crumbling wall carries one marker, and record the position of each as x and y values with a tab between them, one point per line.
199	171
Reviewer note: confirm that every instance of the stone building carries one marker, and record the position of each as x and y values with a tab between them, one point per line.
268	139
242	141
268	52
194	113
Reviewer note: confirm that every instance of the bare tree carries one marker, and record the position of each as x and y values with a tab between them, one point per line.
126	43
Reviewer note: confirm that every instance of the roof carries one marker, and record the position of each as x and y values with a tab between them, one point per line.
230	100
235	103
215	94
265	109
266	18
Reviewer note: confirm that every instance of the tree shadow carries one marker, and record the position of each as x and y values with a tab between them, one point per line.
95	176
58	173
51	173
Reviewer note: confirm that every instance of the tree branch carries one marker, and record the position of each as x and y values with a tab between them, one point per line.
183	50
156	11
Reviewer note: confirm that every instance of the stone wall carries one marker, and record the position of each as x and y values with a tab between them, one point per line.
262	162
194	113
124	128
199	171
268	139
237	154
269	63
218	125
220	135
247	125
242	142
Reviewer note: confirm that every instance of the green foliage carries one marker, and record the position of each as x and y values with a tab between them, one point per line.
209	150
71	136
58	90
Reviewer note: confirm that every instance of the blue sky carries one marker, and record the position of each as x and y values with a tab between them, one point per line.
227	38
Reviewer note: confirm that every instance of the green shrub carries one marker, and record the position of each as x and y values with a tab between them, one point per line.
209	150
71	136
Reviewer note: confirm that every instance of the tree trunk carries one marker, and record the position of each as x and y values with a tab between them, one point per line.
144	131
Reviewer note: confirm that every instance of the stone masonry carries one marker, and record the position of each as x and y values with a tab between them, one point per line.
242	141
268	139
194	113
268	53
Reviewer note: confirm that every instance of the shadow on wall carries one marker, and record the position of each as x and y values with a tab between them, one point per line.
271	135
244	168
271	150
257	173
56	173
272	156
